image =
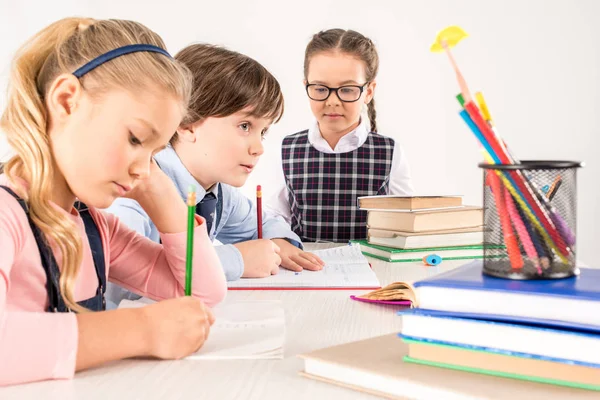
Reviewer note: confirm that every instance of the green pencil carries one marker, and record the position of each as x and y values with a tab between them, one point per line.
191	204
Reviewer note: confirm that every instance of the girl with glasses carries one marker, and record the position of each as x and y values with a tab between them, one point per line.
341	156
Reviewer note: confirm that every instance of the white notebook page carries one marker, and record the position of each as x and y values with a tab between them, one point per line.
345	267
252	329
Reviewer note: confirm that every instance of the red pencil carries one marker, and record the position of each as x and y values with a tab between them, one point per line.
510	240
259	211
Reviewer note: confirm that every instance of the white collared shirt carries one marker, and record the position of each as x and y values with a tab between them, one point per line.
400	179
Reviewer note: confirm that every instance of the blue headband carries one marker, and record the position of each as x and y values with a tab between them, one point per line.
101	59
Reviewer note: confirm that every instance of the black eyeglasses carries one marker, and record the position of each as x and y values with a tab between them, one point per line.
346	93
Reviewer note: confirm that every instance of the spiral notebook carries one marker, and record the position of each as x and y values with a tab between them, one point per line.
345	268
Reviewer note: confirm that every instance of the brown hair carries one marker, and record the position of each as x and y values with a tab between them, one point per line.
226	82
350	42
62	47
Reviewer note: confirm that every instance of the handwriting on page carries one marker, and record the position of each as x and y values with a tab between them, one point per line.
252	329
245	330
345	266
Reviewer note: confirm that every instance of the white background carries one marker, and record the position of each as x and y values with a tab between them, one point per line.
537	62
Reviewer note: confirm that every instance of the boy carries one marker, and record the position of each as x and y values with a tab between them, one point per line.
217	145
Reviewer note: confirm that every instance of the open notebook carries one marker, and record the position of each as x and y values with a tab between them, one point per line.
345	267
252	329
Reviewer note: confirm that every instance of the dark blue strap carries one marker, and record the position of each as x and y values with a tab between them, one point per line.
16	196
48	261
101	59
93	234
55	300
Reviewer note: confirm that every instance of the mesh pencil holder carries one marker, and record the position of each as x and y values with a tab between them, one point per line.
530	213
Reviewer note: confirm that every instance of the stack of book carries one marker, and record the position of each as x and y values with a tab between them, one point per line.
537	330
469	335
406	229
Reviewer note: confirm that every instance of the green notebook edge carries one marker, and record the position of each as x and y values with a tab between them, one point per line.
502	374
394	250
366	253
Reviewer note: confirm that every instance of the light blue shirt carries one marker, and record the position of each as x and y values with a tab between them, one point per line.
237	222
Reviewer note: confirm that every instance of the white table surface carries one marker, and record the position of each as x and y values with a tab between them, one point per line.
314	319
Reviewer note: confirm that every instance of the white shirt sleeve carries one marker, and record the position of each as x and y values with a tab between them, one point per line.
400	177
278	202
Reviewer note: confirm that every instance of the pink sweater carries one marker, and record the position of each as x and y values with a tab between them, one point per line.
36	345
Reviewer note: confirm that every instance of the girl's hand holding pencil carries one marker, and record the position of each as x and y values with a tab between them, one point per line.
175	328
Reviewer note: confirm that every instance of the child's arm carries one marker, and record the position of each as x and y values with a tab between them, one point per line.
133	215
296	259
241	229
170	329
33	345
241	220
37	345
400	176
158	270
279	203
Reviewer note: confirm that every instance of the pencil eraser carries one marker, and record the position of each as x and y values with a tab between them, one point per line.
258	188
192	189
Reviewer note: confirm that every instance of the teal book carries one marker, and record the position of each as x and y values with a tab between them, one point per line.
502	365
514	350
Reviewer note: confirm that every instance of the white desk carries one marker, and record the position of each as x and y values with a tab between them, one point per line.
314	319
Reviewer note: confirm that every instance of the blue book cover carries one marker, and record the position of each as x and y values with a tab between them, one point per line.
586	286
570	291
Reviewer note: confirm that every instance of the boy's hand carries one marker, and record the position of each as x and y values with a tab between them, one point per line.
261	258
295	259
